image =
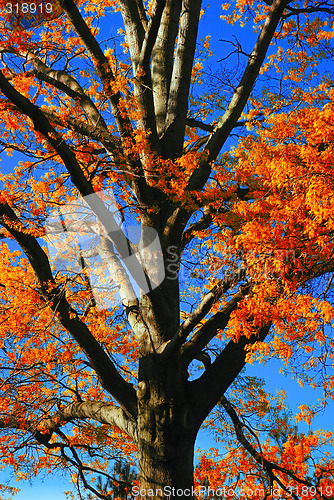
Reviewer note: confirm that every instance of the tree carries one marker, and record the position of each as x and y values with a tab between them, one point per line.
264	454
245	235
121	483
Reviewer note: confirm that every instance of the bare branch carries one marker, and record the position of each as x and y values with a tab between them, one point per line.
151	35
162	60
180	82
140	45
104	413
134	28
142	13
308	10
67	84
94	410
228	121
192	122
117	273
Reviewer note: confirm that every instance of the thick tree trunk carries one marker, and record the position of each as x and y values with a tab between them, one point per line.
166	432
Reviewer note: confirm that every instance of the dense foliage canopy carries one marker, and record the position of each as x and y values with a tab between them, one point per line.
208	169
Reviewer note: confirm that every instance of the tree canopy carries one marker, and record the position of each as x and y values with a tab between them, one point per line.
166	211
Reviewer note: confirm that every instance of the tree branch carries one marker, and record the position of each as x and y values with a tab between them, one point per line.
269	466
142	13
177	106
42	125
111	380
151	35
193	123
209	330
224	127
140	45
104	413
85	188
134	27
162	60
195	317
95	410
203	223
217	378
67	84
100	61
308	10
111	143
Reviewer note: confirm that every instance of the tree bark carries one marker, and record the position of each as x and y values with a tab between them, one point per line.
166	431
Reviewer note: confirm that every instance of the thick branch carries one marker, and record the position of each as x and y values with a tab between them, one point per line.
209	330
117	273
142	13
140	45
98	359
67	84
95	410
180	82
42	125
192	122
100	61
151	35
217	378
101	412
240	97
195	317
162	60
134	28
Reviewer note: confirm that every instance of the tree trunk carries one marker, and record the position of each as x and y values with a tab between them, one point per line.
166	432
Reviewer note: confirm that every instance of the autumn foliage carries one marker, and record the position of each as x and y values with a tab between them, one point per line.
233	169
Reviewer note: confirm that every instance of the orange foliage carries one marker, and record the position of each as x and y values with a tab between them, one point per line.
279	233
